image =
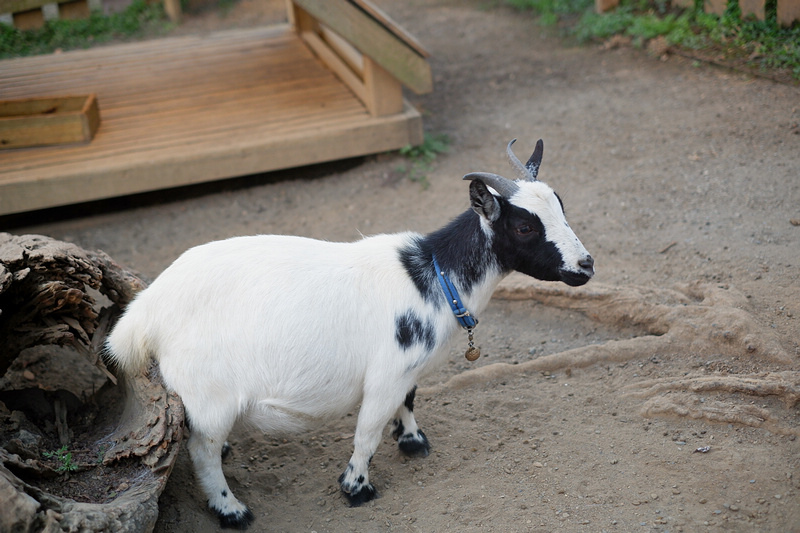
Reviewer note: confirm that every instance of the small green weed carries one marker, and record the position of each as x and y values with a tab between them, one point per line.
421	157
63	458
139	18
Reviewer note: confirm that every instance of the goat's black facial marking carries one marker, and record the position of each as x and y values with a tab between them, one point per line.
411	330
521	244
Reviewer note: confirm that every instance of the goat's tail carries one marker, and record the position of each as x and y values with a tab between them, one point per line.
127	346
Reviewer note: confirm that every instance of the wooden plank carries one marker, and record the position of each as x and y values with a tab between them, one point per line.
190	109
753	7
28	20
335	63
372	39
387	22
717	7
173	10
344	50
788	12
74	10
383	92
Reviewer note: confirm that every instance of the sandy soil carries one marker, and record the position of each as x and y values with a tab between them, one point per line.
589	405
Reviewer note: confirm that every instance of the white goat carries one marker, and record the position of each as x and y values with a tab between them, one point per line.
286	332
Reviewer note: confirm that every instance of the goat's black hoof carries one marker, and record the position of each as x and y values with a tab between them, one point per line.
362	495
240	520
414	445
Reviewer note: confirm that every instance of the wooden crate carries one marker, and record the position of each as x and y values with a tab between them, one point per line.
48	121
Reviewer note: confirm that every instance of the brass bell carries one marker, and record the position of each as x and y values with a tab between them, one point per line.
472	353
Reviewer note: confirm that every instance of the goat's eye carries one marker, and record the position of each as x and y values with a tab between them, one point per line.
526	229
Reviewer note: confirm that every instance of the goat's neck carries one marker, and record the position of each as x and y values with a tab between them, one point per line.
463	249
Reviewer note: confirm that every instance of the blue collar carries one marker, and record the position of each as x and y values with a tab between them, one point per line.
466	320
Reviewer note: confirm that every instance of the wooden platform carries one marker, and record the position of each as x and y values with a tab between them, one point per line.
186	110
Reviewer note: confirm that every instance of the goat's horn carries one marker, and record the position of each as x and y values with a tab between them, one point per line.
502	185
535	161
516	164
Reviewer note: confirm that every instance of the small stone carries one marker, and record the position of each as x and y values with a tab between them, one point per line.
703	501
537	464
27	374
734	507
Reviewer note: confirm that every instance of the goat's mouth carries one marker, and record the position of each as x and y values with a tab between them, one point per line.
576	279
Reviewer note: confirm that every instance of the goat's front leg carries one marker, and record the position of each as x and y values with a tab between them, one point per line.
376	411
410	439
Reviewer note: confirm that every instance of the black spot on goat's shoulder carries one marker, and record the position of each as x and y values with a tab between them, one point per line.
411	330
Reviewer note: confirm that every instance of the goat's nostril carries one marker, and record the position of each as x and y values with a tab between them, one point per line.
587	262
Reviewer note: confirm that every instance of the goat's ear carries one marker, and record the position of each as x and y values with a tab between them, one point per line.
482	201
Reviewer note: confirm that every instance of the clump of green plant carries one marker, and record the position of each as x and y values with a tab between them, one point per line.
63	458
421	157
760	43
139	18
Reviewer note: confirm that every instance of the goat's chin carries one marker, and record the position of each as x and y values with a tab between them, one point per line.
575	279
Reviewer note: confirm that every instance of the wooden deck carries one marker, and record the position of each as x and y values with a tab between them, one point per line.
186	110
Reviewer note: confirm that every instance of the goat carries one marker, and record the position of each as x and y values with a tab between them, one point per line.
285	332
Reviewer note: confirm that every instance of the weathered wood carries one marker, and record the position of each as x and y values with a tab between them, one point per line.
173	10
753	7
788	12
372	39
187	110
381	16
717	7
45	290
383	92
45	121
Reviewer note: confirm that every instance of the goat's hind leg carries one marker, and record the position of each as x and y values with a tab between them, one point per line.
410	439
206	454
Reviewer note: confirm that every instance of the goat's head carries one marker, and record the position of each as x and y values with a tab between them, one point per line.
526	221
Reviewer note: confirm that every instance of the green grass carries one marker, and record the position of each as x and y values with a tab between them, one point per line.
138	19
761	45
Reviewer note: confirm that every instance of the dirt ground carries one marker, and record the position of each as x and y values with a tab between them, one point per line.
589	406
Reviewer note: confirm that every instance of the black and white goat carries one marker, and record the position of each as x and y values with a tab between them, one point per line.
286	332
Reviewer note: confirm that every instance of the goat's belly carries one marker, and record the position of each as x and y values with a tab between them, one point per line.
274	415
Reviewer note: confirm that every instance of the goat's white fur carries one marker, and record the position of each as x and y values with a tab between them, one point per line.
284	332
268	329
